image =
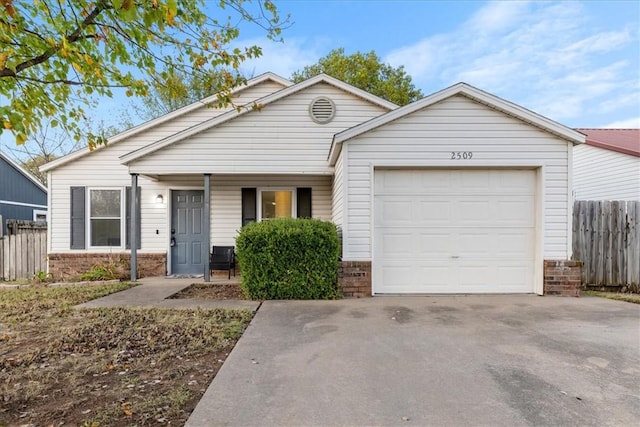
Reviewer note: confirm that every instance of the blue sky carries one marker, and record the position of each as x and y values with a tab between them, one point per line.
577	63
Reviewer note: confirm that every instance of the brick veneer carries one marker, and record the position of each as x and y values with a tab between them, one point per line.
562	277
354	278
65	266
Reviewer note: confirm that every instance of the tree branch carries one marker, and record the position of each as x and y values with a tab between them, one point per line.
72	38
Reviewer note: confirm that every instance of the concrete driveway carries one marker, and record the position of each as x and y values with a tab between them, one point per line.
443	361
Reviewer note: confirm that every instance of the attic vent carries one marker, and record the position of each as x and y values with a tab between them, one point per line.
322	110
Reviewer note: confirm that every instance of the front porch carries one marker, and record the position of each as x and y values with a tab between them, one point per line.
183	216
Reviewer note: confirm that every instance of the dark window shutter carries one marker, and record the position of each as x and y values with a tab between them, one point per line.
78	223
127	210
304	202
249	204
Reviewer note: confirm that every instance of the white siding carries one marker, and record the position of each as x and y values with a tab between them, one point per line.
426	138
226	200
280	138
225	205
600	174
102	168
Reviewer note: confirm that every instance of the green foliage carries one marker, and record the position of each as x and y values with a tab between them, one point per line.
56	55
114	268
42	277
289	259
365	71
179	89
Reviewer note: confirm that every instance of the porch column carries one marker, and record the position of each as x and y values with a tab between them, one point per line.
133	232
207	226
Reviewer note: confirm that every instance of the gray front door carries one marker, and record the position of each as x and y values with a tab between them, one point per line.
187	234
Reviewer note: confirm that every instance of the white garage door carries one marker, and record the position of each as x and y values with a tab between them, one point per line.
454	231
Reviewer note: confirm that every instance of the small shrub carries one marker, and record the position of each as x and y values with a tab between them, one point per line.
114	268
42	277
289	259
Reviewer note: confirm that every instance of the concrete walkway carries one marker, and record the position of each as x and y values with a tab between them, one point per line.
154	291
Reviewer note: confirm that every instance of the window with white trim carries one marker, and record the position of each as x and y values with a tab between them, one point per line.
39	215
276	203
105	209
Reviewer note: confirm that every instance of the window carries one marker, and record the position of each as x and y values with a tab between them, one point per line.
276	204
105	217
39	216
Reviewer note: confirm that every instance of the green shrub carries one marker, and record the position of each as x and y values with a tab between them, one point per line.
113	268
289	259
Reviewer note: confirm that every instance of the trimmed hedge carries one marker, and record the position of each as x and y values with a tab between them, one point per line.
289	259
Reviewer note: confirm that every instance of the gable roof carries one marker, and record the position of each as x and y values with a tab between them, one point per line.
625	141
162	119
468	91
23	171
266	100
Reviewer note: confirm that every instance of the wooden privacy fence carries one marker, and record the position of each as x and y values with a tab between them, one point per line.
606	238
23	250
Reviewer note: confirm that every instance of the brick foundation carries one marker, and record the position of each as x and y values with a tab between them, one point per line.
354	278
562	278
65	266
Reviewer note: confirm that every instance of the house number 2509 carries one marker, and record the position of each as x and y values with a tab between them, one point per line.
461	155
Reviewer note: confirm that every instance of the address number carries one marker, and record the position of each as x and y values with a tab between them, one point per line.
461	155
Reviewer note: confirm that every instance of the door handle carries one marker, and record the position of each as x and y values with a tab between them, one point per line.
173	242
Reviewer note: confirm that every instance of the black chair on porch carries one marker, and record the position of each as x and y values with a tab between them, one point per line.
223	258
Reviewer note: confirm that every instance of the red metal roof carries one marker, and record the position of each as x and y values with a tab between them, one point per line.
621	140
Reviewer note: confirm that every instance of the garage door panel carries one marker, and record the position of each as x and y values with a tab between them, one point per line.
434	244
511	278
474	277
433	212
517	211
473	212
454	231
394	211
434	278
397	244
516	182
473	181
515	244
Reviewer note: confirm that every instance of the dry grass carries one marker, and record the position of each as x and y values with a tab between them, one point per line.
107	366
633	298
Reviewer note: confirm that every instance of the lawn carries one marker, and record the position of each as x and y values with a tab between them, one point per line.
633	298
107	366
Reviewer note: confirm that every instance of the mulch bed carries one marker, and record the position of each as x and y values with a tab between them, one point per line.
215	291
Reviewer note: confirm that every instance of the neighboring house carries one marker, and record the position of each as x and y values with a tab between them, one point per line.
460	192
22	196
607	166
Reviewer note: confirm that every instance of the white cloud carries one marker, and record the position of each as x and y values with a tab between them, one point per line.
632	123
498	16
282	58
546	56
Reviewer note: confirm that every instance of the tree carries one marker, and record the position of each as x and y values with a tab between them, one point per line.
365	71
43	146
47	144
55	56
181	89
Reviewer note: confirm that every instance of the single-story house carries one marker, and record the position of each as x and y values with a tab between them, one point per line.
22	196
607	166
459	192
